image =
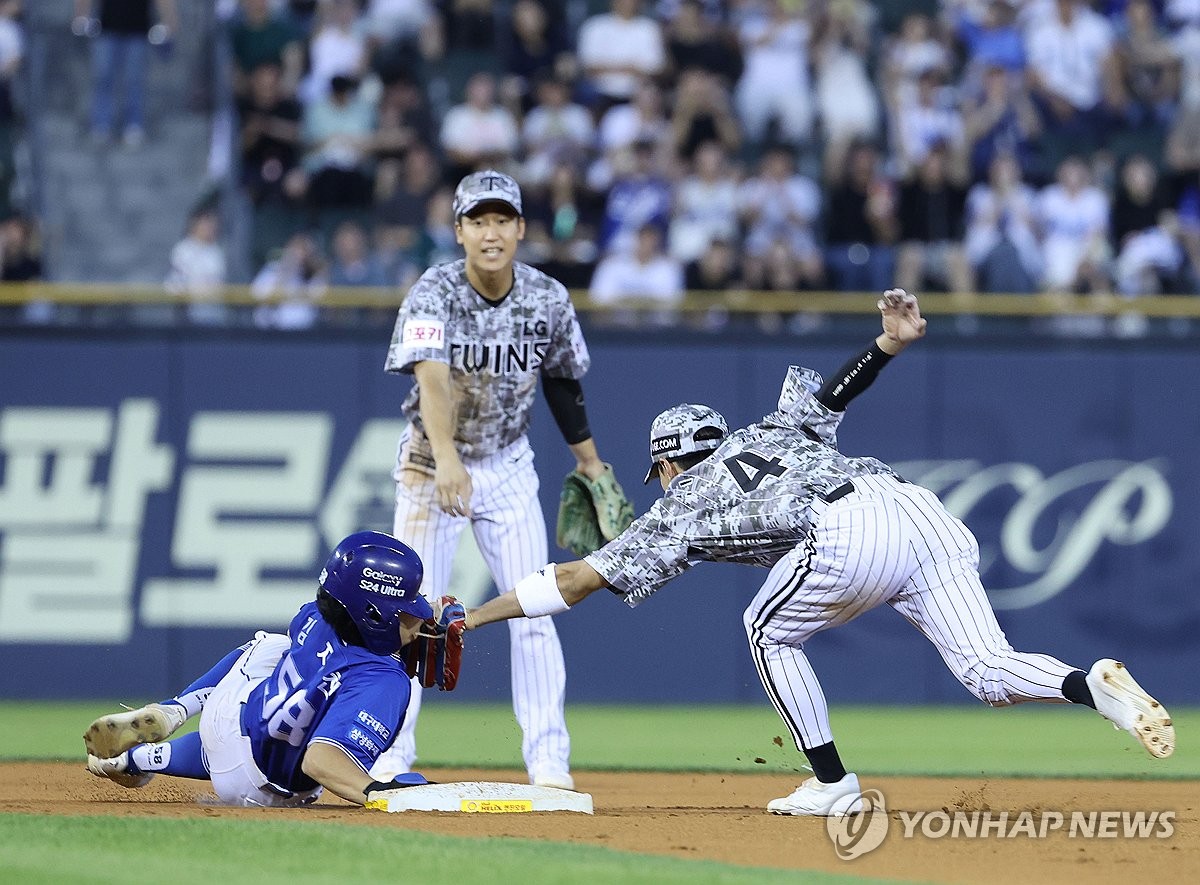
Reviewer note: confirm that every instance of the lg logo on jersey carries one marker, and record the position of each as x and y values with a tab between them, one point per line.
1051	527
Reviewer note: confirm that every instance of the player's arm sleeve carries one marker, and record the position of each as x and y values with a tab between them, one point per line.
420	331
853	378
565	398
644	557
800	409
567	352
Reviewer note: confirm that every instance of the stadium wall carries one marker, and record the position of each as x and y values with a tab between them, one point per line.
163	495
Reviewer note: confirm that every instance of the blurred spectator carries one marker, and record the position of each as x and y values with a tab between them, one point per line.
696	40
915	51
1001	240
989	35
860	223
292	285
619	48
925	117
401	35
437	242
780	209
470	25
1145	232
536	49
561	228
642	120
1072	70
20	253
260	36
637	199
338	133
479	132
121	46
1148	67
1002	120
715	270
555	133
12	53
702	112
198	261
338	47
404	196
644	274
1074	214
353	264
846	99
706	205
774	85
932	203
405	120
270	138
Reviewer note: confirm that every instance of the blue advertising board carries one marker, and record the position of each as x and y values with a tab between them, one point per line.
161	498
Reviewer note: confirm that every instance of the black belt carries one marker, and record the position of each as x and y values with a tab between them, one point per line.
837	494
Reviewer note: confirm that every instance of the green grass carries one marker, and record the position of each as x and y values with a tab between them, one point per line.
1032	740
203	851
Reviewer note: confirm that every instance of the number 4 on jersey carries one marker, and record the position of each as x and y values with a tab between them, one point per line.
759	469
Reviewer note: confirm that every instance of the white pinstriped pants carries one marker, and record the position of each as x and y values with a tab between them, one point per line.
511	533
890	542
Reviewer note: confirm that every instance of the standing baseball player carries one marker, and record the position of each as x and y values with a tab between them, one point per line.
283	717
840	536
477	333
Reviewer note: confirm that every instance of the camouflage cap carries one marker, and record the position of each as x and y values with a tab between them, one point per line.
487	186
684	429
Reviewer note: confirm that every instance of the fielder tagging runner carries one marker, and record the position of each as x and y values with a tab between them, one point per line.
284	717
477	333
840	536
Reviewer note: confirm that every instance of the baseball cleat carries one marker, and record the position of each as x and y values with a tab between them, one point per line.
118	771
545	777
821	800
1121	701
111	735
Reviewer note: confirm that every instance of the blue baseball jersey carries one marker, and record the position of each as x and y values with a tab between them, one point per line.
323	691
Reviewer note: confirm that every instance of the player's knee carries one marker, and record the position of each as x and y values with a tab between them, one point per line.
984	678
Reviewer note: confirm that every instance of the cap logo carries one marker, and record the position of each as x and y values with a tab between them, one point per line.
665	444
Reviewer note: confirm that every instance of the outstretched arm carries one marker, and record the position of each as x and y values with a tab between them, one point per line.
902	325
572	582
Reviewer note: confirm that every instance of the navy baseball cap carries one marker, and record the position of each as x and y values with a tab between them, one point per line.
488	186
684	429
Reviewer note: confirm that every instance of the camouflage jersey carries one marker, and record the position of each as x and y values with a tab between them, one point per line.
495	350
749	501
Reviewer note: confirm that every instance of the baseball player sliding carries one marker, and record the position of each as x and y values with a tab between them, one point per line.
284	717
477	333
840	536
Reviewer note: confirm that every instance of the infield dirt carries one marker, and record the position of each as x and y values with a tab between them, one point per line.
720	817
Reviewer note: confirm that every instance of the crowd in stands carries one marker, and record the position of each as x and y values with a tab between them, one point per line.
784	145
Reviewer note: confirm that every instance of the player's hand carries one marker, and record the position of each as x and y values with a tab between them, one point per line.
902	320
453	487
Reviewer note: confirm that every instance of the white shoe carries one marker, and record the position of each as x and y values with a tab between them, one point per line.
111	735
551	777
1122	702
117	771
821	800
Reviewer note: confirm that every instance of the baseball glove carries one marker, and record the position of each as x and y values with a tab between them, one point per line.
435	656
591	512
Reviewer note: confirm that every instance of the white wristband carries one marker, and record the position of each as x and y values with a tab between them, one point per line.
538	594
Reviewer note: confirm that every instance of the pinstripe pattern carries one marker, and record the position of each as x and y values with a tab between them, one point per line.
887	542
511	533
